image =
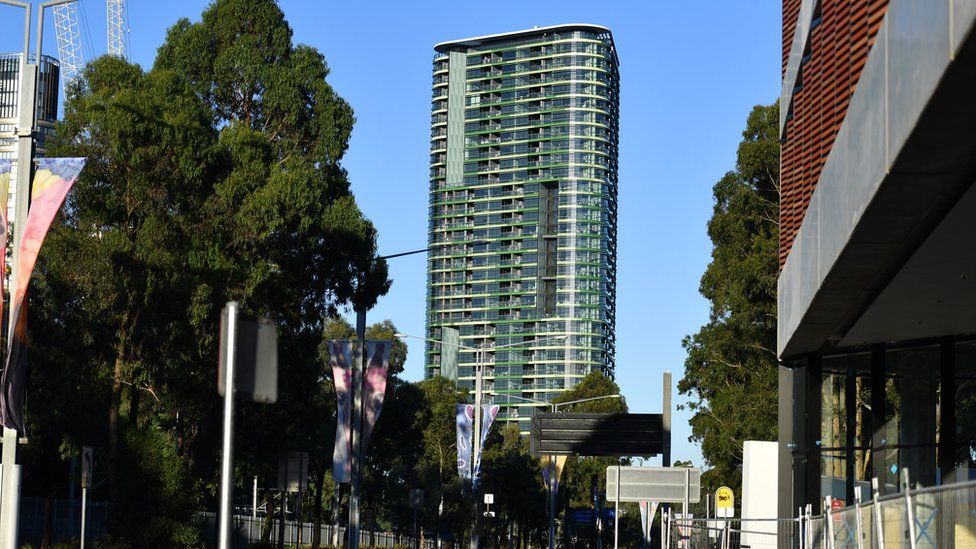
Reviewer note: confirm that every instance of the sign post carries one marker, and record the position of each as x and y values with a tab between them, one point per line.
724	502
660	484
86	483
248	365
416	503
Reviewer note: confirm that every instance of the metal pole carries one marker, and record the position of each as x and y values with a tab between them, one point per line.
481	357
799	527
668	536
227	446
828	507
912	536
666	422
687	501
876	509
84	502
857	517
10	478
358	366
334	534
616	511
254	498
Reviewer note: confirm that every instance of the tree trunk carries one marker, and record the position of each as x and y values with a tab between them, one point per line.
113	426
319	486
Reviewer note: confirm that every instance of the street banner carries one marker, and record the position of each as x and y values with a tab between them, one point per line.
5	168
465	426
340	355
52	181
374	384
648	509
488	413
450	345
545	466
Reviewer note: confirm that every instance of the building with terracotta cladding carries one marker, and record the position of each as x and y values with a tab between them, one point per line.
877	287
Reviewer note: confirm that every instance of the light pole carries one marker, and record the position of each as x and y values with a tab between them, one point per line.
480	359
356	419
552	459
26	123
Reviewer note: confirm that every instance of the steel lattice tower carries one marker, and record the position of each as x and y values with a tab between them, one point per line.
69	42
115	12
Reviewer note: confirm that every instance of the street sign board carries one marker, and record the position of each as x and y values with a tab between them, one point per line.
86	467
724	502
255	357
489	499
587	516
597	434
660	484
416	499
293	471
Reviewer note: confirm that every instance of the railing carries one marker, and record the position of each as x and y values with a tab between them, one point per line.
925	518
247	530
939	516
729	533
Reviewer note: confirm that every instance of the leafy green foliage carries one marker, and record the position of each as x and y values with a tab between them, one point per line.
209	178
731	369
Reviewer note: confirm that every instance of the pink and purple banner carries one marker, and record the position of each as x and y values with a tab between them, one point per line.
340	354
374	384
6	166
53	179
465	425
488	414
374	392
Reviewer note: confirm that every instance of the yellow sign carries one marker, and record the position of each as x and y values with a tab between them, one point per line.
724	502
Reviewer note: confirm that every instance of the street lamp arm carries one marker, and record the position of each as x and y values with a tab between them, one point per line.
516	397
437	342
558	404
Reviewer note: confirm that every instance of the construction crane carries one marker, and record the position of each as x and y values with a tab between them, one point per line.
69	42
69	36
115	13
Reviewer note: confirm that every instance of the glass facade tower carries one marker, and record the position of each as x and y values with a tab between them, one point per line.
523	212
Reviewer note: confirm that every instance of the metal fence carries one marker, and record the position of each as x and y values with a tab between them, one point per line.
927	518
65	519
247	530
729	533
924	518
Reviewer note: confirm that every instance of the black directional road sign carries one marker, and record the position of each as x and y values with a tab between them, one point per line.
621	435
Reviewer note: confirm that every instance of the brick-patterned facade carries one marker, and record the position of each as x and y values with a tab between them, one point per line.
841	35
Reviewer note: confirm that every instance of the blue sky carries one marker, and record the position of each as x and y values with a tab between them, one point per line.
690	72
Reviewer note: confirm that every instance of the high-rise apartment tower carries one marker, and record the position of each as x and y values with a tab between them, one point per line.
523	211
10	96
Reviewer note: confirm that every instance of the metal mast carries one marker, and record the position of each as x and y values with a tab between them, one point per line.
69	42
115	13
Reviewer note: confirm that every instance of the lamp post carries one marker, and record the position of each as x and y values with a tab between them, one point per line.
552	459
356	419
480	359
26	123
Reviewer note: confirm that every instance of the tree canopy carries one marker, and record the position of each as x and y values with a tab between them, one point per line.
210	177
731	368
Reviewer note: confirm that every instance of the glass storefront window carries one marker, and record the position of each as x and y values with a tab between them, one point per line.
840	374
911	429
965	394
